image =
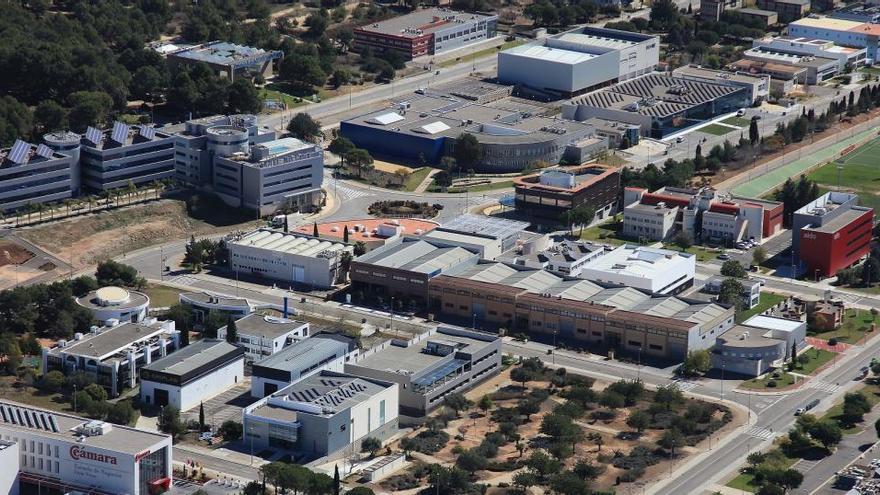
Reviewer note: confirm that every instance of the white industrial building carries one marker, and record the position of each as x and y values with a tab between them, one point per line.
288	257
203	303
9	461
193	374
559	256
659	271
760	343
114	354
263	335
62	453
299	360
116	303
327	414
485	235
649	222
578	61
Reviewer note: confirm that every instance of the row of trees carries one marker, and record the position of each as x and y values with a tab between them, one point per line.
86	397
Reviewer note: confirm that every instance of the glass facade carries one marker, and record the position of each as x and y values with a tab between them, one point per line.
151	468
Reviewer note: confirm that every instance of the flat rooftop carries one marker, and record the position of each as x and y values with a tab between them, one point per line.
747	336
764	67
110	341
121	134
291	243
840	222
121	299
416	255
639	261
413	359
23	153
551	54
311	349
192	357
773	323
827	23
270	327
768	53
225	53
718	75
332	392
757	12
421	22
365	229
61	426
498	228
209	298
584	177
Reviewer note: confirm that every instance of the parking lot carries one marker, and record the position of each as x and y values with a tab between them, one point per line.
225	406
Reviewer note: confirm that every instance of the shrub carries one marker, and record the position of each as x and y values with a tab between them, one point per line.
631	475
771	384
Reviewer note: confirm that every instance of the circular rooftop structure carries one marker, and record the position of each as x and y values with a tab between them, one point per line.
61	138
112	296
115	303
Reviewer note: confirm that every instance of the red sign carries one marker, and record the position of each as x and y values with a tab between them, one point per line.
141	455
77	453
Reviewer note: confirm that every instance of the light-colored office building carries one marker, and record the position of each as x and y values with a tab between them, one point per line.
578	61
657	271
263	335
818	68
760	343
63	453
839	31
751	294
290	258
193	374
114	158
36	174
758	85
284	173
557	255
9	461
114	355
846	56
432	365
651	222
299	360
326	415
487	236
767	17
109	304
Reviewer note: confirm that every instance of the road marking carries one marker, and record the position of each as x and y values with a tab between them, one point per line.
348	192
184	280
804	465
826	387
684	385
760	432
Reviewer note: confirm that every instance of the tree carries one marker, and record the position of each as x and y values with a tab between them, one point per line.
485	403
231	331
341	146
456	402
672	438
668	395
345	234
50	116
243	97
731	293
303	127
597	439
467	150
169	421
371	445
611	399
638	420
360	490
524	480
870	271
521	375
16	120
201	416
568	483
683	240
317	23
113	273
733	268
121	413
696	363
471	460
302	71
855	406
360	159
759	256
336	480
231	430
542	464
96	392
52	381
89	108
827	433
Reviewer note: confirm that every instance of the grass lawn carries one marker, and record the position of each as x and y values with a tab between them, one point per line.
716	130
856	324
701	252
482	187
859	172
605	233
416	178
737	121
761	383
818	358
871	392
768	300
161	295
614	161
289	100
744	480
480	53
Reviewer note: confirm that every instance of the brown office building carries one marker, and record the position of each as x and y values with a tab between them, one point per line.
536	302
552	192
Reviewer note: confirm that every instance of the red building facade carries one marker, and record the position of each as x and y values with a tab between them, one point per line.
828	249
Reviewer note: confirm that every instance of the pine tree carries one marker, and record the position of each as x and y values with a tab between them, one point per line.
345	234
201	416
336	479
315	229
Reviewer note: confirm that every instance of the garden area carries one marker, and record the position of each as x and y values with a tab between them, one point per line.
607	232
533	426
768	300
855	326
404	209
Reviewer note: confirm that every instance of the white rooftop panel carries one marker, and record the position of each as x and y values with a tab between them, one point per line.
772	323
387	118
554	54
433	128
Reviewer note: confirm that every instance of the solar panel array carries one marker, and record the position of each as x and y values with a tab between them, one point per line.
339	392
45	151
147	132
120	132
29	418
94	135
19	152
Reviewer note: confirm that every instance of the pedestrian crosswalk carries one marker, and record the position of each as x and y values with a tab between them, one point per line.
804	465
760	432
347	192
684	385
183	280
823	386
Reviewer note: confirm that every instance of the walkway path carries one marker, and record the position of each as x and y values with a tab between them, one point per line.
426	181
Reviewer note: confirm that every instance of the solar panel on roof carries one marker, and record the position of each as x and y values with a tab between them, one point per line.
94	135
18	153
120	132
147	132
45	151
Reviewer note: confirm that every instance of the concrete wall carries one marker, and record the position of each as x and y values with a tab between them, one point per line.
285	267
202	389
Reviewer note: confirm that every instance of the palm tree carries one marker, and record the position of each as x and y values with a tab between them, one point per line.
67	204
40	207
91	201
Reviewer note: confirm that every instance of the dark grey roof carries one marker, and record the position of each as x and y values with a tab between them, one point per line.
111	340
266	326
495	227
195	356
303	352
208	298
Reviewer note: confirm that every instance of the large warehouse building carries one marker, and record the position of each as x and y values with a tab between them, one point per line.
578	61
840	31
831	233
513	134
62	453
291	258
658	103
426	32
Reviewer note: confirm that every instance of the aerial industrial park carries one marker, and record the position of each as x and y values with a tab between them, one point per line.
585	247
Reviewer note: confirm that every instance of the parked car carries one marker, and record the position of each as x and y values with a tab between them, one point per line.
801	410
723	256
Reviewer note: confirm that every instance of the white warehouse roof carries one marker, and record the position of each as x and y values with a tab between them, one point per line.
288	242
773	323
552	54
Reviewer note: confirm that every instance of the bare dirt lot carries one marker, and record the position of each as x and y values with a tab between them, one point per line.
13	254
87	239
